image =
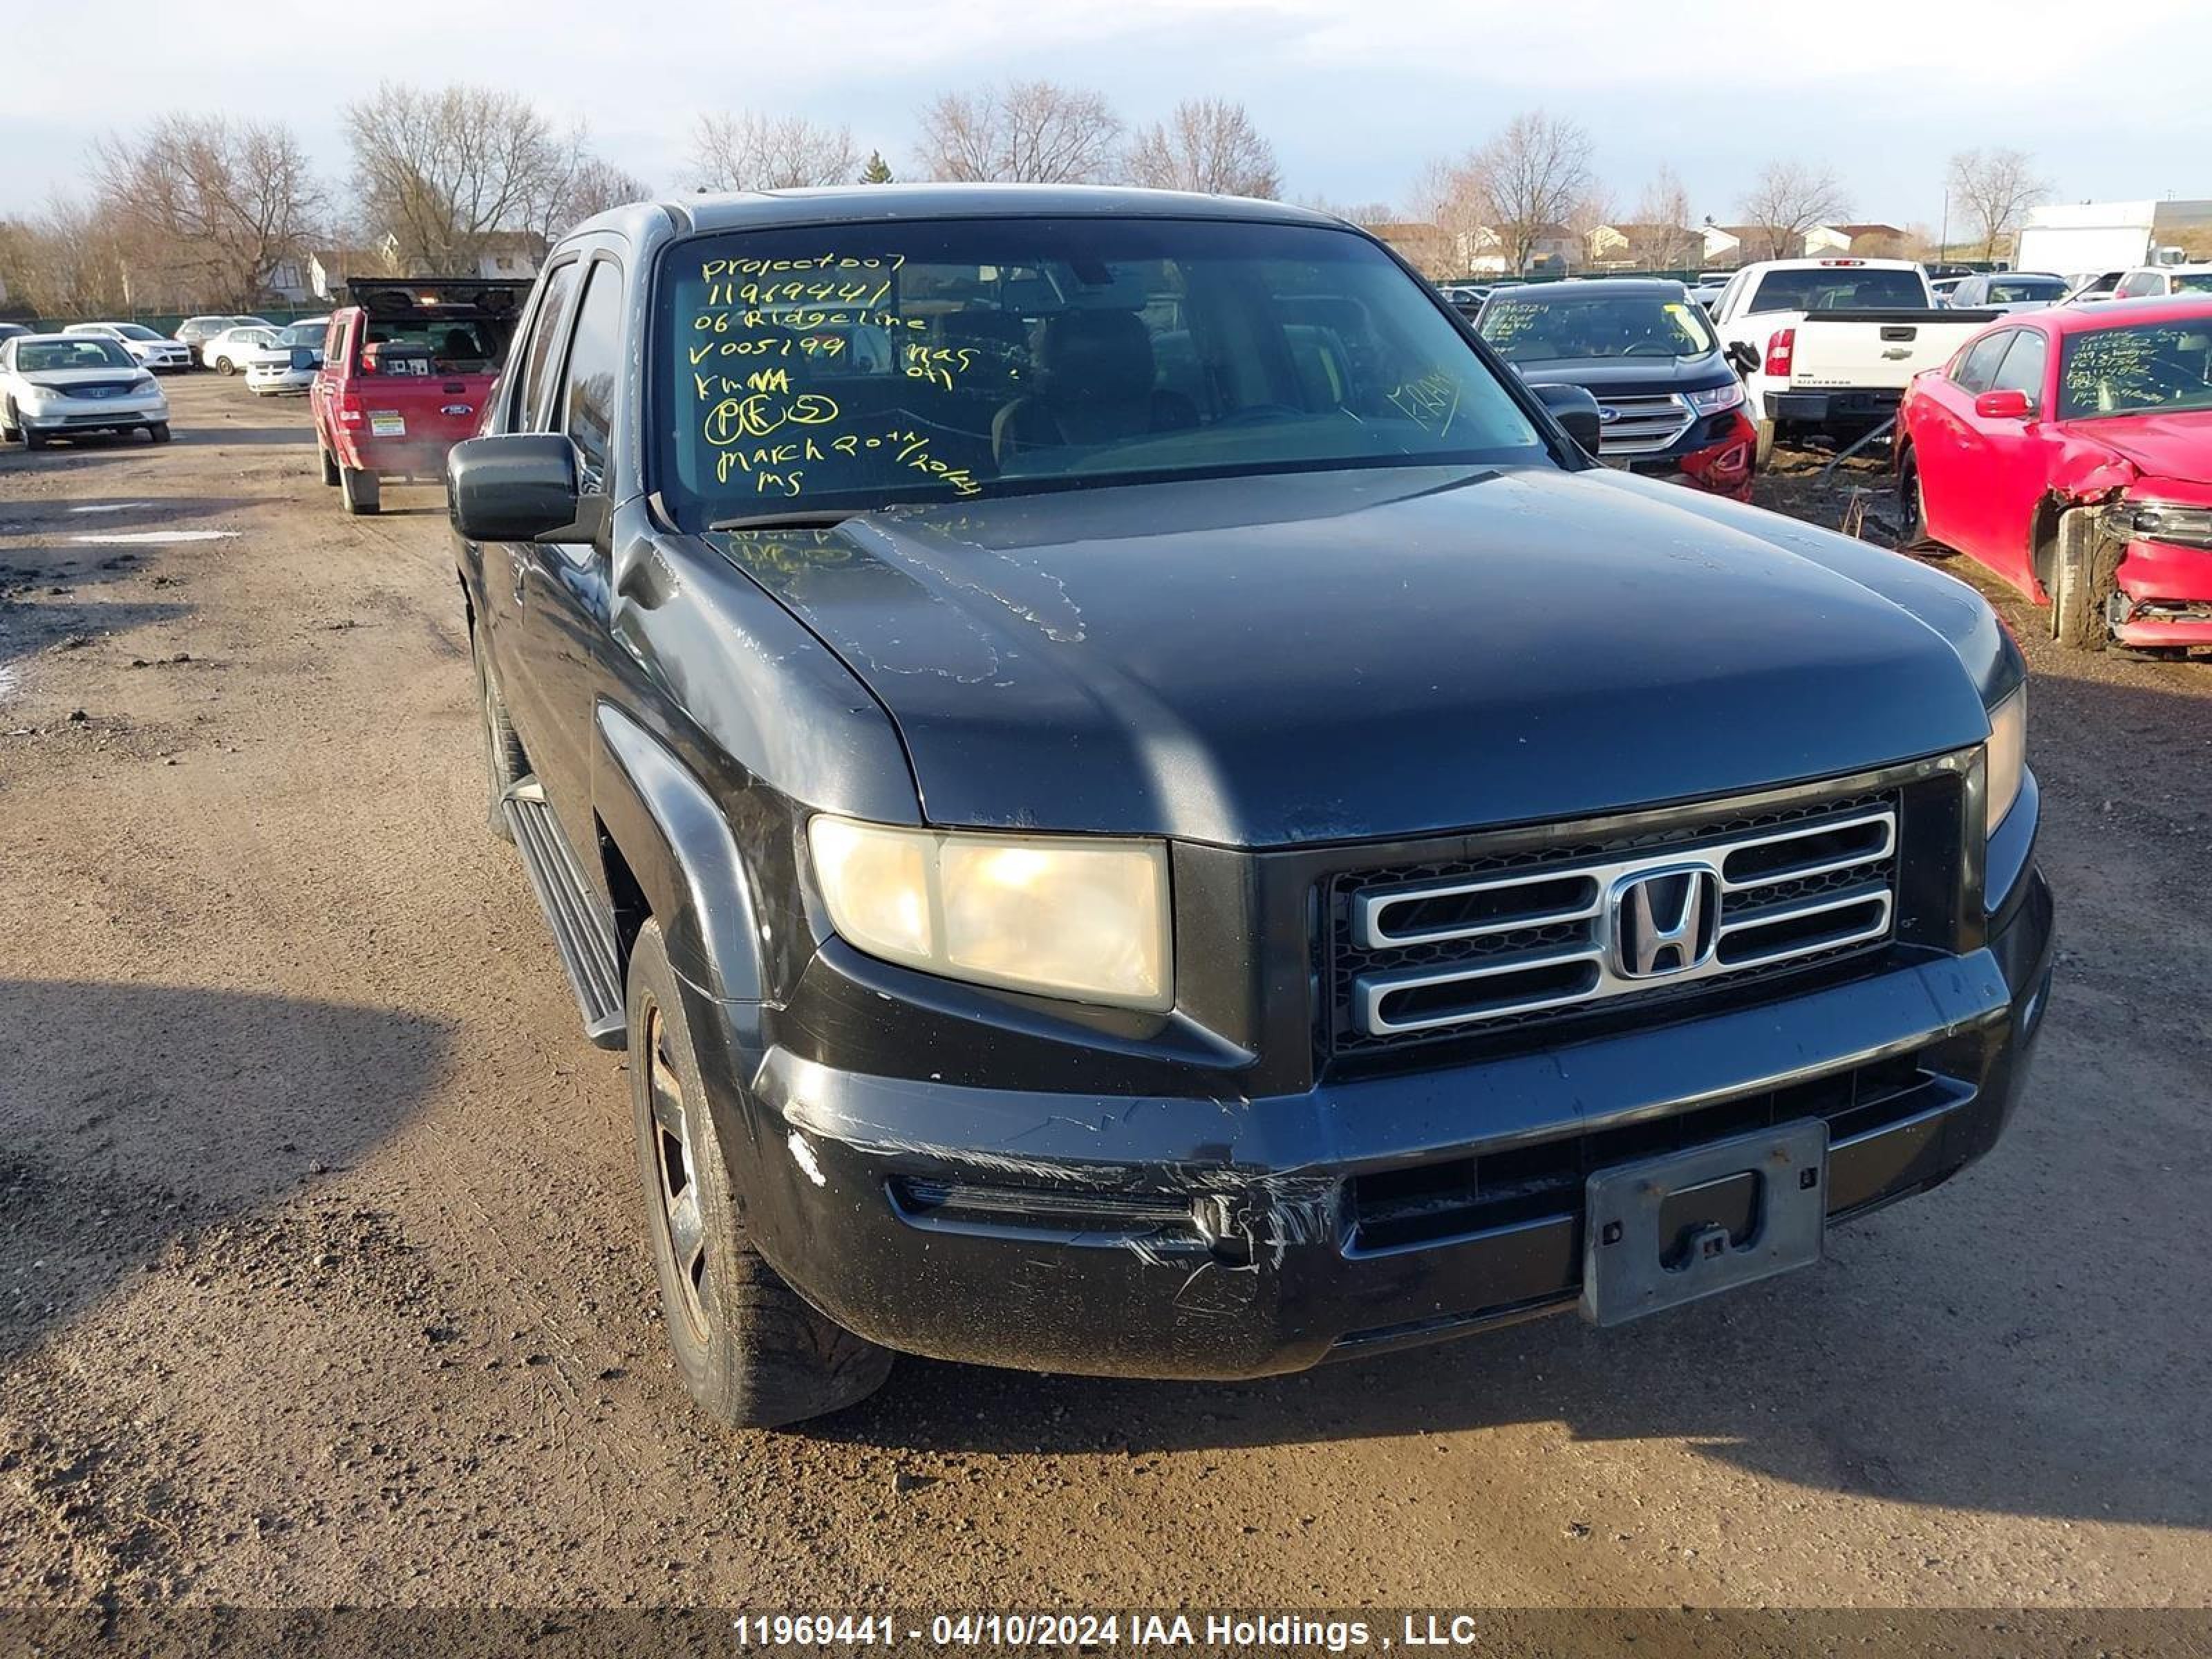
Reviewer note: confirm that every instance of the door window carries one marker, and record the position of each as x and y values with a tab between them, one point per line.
2022	368
586	399
527	413
1979	366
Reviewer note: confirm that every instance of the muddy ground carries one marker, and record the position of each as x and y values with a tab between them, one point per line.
322	1277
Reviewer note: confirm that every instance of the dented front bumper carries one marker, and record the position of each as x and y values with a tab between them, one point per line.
1195	1237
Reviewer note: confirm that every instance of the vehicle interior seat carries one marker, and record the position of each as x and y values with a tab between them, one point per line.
1095	383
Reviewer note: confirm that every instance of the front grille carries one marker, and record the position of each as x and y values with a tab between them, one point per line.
1451	949
96	389
1641	425
1428	1203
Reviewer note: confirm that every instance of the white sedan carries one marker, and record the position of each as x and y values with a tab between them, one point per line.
67	385
227	352
269	368
152	351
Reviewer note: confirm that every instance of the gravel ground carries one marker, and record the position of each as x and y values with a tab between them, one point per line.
322	1280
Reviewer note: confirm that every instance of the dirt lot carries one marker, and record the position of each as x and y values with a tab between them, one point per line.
322	1280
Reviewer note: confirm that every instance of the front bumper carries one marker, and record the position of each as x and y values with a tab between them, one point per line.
95	415
1179	1237
2166	595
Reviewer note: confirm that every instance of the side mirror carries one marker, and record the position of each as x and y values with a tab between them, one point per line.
513	488
305	357
2003	406
1573	407
1742	357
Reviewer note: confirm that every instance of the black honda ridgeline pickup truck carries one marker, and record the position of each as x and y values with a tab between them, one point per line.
1140	806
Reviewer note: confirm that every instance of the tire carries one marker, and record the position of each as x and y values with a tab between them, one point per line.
224	365
2083	574
363	493
1912	506
505	763
159	432
330	466
33	439
750	1350
1764	450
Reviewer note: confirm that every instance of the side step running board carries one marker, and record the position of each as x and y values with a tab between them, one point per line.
582	931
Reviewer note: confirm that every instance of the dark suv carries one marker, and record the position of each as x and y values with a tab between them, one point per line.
1140	806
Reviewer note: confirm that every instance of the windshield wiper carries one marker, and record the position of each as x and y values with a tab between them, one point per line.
812	518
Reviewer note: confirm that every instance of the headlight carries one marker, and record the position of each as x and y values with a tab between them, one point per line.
1061	915
144	384
1714	399
2008	754
2160	521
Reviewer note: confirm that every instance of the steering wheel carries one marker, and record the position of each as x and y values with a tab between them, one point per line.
1648	348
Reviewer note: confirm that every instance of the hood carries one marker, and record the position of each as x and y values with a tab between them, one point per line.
1628	376
1264	662
63	379
2178	446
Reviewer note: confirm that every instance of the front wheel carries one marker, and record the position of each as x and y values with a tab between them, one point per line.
159	432
362	492
224	365
2084	574
1912	504
750	1350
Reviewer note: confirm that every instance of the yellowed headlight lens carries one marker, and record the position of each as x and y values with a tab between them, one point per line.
1068	916
2008	754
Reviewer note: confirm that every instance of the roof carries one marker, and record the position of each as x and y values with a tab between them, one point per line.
1580	287
1865	230
2117	314
858	204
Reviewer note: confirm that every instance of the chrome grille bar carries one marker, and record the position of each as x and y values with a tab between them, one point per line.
1474	922
1643	426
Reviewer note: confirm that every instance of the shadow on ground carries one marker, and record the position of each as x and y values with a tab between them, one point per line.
131	1114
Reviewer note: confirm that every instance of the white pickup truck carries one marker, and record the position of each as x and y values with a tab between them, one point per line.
1827	345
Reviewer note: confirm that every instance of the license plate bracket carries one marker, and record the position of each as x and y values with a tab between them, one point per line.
1673	1229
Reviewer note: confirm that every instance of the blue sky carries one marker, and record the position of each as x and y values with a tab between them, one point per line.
1355	97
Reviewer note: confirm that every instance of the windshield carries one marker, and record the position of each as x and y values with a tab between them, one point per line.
1567	325
36	356
300	334
851	367
2161	367
135	332
1839	288
2018	290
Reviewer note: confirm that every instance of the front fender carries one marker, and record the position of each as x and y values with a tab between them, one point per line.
678	844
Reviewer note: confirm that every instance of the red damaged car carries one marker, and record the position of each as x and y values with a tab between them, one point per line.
2070	451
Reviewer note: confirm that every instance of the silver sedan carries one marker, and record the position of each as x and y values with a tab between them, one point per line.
65	386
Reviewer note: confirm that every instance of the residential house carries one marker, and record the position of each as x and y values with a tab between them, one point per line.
1644	246
1727	246
1860	241
508	253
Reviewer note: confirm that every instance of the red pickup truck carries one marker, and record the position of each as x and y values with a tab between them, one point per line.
407	369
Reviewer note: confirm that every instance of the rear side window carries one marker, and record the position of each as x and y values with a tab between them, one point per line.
2022	368
552	324
1839	288
1979	366
587	387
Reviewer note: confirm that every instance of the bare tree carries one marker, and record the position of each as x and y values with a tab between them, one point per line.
751	151
1529	179
443	171
593	187
68	263
1366	215
215	205
1208	145
1789	199
1996	188
1024	132
1666	240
